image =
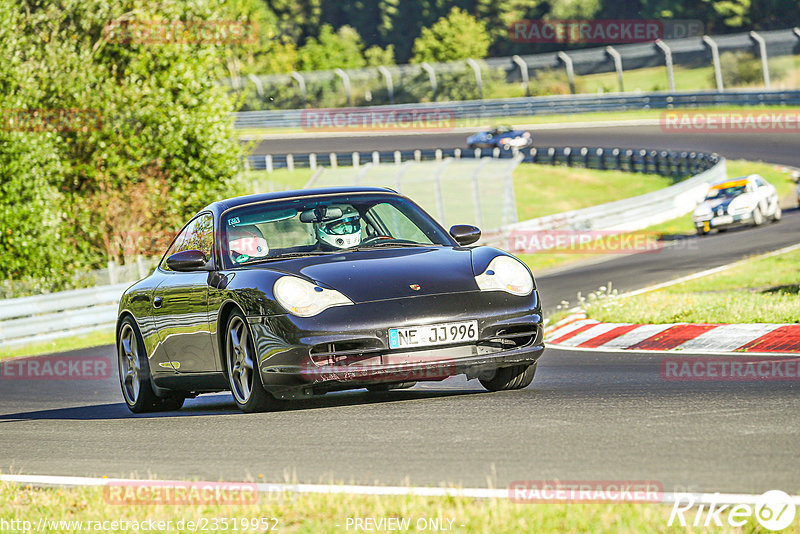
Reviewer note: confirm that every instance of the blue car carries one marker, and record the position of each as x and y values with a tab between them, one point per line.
504	137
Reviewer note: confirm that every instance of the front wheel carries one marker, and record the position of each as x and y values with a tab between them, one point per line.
134	373
510	378
778	214
243	375
758	218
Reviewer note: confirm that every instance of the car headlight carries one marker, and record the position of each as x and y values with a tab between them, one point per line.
504	273
305	299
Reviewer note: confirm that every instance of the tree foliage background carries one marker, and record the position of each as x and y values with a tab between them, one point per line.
143	136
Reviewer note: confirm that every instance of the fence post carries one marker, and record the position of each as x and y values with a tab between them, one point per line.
259	86
437	179
437	154
611	51
112	272
601	158
312	160
376	157
495	152
398	158
417	155
715	59
140	265
668	62
290	162
389	82
476	196
346	82
334	163
268	162
762	50
301	83
478	80
523	70
432	77
355	160
570	71
457	153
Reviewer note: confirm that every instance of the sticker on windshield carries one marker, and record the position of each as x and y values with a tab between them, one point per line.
233	221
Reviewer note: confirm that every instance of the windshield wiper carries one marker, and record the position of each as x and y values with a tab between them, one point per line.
288	255
394	244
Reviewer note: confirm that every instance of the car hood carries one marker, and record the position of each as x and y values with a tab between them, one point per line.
381	274
724	202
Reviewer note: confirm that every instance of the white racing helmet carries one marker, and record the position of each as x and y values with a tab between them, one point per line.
342	232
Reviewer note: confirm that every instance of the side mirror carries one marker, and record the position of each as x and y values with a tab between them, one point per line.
465	234
187	260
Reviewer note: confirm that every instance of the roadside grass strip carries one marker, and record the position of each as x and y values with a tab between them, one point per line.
79	504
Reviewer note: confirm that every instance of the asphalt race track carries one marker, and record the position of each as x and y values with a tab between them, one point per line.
773	147
588	416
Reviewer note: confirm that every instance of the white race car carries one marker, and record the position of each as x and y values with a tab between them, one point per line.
747	200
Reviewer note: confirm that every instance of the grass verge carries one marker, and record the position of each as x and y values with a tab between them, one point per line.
94	339
758	290
330	513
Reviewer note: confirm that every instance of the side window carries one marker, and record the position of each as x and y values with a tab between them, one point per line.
760	182
198	235
397	223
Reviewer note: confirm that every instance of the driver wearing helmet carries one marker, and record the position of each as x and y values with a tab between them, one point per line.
342	232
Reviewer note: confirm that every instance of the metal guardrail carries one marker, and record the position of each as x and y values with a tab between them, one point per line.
55	315
663	162
626	215
543	105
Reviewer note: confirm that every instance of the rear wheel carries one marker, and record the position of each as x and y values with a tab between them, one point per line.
134	373
243	375
509	378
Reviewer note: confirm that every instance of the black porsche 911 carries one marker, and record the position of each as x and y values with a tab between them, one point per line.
292	294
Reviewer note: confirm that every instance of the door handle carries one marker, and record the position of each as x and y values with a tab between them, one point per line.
157	302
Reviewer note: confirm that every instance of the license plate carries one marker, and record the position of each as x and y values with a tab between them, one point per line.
724	219
433	334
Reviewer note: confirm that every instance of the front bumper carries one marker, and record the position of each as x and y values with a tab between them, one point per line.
348	347
724	221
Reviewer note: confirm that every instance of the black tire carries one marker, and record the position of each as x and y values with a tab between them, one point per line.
758	218
701	231
240	365
777	215
380	388
134	373
510	378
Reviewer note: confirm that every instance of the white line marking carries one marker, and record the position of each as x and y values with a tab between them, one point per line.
477	493
708	272
586	335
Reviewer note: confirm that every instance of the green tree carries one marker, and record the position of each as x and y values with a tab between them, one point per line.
341	49
459	35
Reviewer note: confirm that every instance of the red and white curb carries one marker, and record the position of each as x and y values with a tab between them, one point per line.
577	331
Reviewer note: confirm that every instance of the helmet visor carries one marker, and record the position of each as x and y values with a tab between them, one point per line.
345	226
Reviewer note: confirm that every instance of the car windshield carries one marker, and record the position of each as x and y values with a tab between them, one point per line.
723	192
325	225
